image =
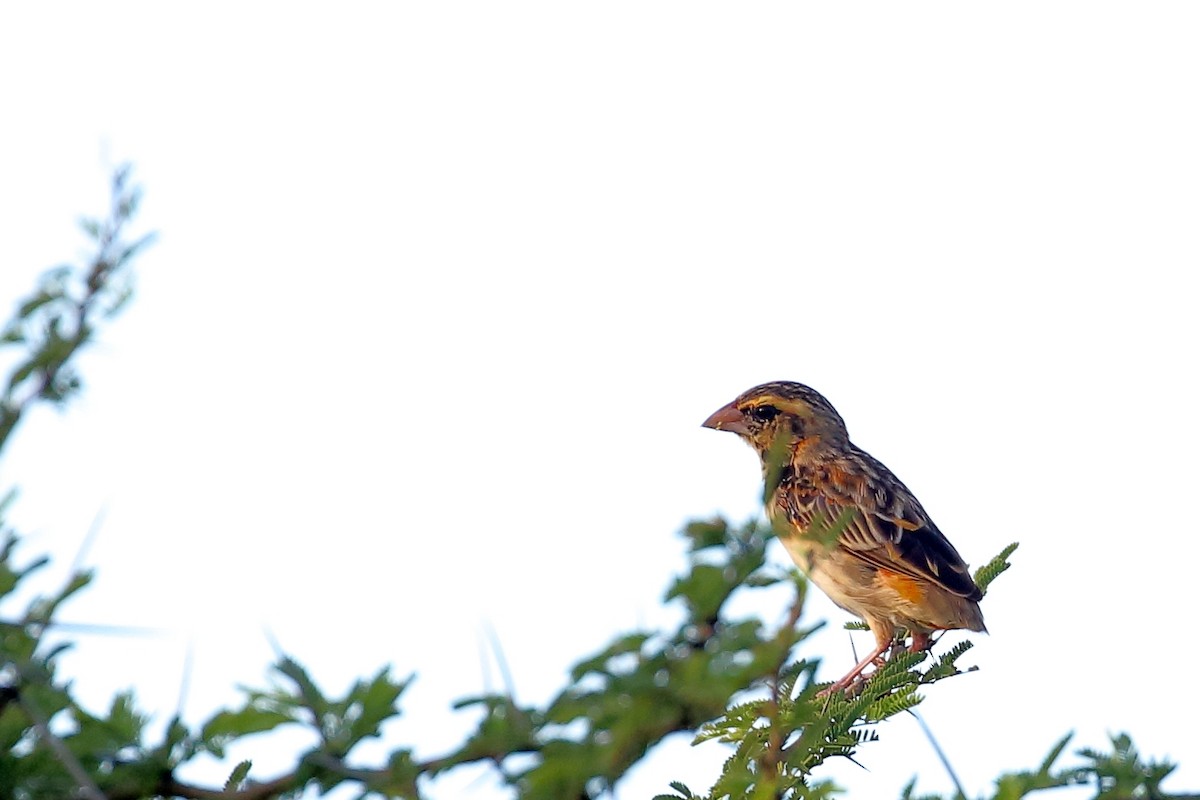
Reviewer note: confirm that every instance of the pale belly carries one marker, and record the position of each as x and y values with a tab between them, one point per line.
850	585
858	587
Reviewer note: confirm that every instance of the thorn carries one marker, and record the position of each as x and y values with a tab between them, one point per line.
501	663
958	789
185	680
89	539
484	666
273	642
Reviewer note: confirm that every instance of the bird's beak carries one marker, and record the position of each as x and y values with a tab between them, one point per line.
727	418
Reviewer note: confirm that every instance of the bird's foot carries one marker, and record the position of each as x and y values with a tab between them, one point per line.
920	643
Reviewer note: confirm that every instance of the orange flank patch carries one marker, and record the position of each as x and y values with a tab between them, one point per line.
908	588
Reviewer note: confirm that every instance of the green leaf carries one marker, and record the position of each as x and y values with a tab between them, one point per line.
228	725
234	782
707	534
1055	752
39	300
991	570
825	531
629	643
682	793
369	705
704	589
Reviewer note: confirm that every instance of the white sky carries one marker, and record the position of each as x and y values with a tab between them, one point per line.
443	292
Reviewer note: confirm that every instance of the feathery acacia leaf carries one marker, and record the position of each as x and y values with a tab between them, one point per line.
991	570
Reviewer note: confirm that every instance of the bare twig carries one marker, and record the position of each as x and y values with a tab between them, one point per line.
65	757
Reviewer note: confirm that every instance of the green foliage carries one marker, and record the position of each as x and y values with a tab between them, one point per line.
785	736
825	531
991	570
1119	774
1122	772
235	779
60	318
717	676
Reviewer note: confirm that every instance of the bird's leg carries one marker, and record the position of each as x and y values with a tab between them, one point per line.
884	632
920	642
858	668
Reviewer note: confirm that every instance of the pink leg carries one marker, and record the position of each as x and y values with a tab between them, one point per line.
858	668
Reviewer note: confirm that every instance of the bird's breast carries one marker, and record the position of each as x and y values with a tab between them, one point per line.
791	514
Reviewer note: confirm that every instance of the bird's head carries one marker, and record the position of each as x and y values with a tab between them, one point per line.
781	415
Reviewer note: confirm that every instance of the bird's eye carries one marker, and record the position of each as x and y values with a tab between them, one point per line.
763	413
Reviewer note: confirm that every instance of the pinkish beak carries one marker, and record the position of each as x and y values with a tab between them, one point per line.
727	418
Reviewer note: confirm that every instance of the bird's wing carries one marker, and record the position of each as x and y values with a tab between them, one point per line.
889	529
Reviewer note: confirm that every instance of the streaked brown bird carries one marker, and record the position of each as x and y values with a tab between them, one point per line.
889	564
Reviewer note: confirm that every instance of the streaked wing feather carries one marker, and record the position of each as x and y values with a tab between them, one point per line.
907	542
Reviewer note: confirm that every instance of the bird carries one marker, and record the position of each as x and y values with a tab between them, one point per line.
887	563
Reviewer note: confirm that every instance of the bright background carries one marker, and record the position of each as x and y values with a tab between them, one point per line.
443	291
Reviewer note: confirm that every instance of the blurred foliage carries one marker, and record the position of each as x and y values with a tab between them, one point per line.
716	676
59	318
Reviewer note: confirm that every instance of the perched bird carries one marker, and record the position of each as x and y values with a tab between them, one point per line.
889	564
